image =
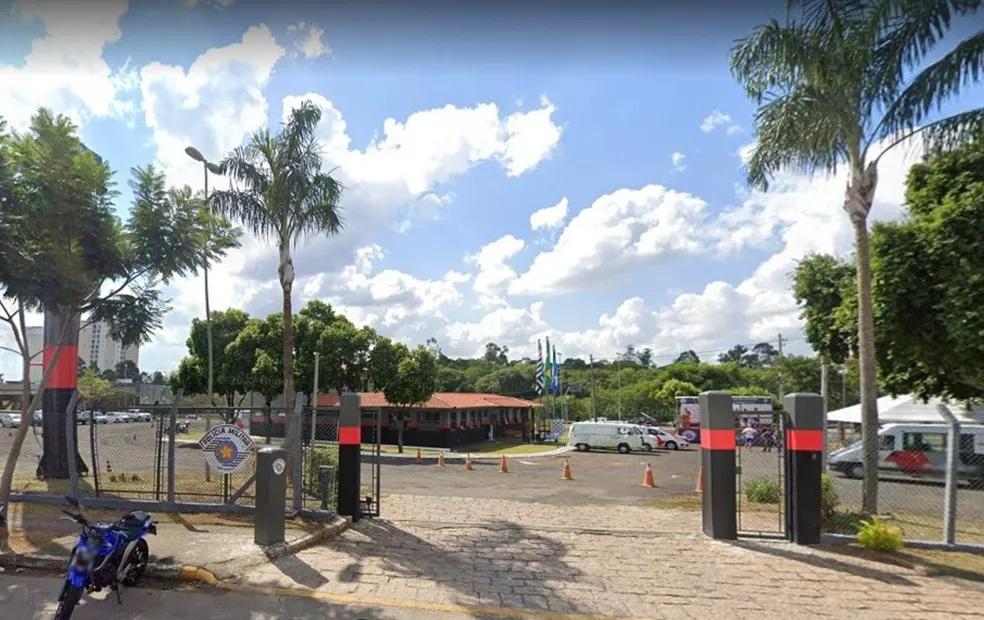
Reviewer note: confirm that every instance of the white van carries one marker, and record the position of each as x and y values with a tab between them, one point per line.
915	451
609	435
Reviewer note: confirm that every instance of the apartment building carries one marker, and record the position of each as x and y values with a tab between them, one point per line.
98	348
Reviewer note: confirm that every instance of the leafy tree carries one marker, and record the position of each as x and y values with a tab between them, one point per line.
929	275
158	378
93	389
844	82
226	325
127	369
413	385
735	354
494	354
765	354
384	361
63	250
345	351
81	367
254	361
687	357
109	375
645	358
280	192
311	321
821	283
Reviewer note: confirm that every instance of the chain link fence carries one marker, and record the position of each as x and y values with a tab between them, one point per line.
931	481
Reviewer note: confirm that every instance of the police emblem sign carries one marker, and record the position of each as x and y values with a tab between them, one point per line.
226	448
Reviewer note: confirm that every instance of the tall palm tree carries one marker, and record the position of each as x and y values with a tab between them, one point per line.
842	84
280	192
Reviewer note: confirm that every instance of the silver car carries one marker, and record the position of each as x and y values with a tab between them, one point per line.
10	420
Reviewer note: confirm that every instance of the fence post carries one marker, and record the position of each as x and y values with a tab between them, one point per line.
952	464
172	440
717	459
73	463
349	481
298	451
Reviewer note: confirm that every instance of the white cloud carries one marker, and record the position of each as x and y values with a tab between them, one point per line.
65	69
677	159
619	230
549	217
494	276
719	119
309	40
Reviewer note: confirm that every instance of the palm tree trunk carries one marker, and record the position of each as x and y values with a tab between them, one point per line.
868	367
289	364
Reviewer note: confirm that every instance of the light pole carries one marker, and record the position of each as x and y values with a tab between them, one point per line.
207	166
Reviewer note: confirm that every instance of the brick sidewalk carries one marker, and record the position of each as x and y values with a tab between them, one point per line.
487	553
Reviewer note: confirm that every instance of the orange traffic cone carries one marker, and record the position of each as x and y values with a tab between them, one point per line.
468	465
420	457
567	471
503	465
700	479
440	460
647	478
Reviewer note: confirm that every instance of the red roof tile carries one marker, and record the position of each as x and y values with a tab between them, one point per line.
440	400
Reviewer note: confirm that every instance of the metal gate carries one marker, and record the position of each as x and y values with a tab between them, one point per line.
760	468
372	431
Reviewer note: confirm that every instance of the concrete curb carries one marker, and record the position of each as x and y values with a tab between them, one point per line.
57	564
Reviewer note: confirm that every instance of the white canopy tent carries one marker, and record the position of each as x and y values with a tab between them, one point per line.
908	409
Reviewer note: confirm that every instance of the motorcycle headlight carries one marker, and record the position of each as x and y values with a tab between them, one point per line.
84	557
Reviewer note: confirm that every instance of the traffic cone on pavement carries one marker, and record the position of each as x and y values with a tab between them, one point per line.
647	478
503	465
468	464
700	479
566	475
440	460
420	457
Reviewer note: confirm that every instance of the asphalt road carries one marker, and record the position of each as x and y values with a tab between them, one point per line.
33	597
599	477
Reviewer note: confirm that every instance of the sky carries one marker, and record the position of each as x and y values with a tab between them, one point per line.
511	173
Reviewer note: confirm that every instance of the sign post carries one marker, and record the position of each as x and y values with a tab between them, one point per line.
271	496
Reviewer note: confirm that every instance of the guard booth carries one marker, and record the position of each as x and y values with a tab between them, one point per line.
761	472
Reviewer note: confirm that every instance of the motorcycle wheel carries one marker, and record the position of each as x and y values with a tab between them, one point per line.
68	602
136	564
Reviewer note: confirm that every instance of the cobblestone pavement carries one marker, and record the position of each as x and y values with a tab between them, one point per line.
484	555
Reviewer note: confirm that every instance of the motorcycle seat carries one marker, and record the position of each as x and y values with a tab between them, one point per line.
133	522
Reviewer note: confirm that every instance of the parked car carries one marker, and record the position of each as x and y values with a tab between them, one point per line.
101	418
10	420
668	441
138	415
36	418
116	417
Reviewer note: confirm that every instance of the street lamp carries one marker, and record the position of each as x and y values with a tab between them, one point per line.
207	167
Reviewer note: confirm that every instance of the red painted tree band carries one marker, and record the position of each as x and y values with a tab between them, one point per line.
66	374
805	441
717	439
349	435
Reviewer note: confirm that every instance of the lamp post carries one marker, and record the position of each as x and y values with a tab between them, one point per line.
207	167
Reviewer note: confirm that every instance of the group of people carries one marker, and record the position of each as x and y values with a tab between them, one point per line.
766	437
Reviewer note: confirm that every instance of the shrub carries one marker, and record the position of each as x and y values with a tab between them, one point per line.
829	499
315	458
876	535
763	491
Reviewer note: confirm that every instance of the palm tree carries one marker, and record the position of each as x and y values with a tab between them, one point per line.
280	192
842	85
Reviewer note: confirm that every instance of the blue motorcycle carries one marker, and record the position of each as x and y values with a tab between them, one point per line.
108	555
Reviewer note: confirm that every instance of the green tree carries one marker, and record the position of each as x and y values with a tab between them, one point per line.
93	389
843	82
345	351
63	250
254	361
688	357
127	369
494	354
413	385
81	367
929	271
281	193
315	317
226	325
821	284
737	354
384	360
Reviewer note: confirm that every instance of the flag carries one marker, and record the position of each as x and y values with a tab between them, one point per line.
548	370
556	374
538	380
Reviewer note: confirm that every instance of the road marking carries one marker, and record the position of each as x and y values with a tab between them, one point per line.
349	599
528	463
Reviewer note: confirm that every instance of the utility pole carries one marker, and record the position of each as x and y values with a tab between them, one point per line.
782	390
618	390
594	398
823	396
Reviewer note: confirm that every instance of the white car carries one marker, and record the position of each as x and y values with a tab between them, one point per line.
670	442
101	418
139	416
115	417
10	420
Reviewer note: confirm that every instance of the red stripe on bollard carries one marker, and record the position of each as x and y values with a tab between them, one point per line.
718	439
805	440
349	436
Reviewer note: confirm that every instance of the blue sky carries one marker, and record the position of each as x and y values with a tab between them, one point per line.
695	262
